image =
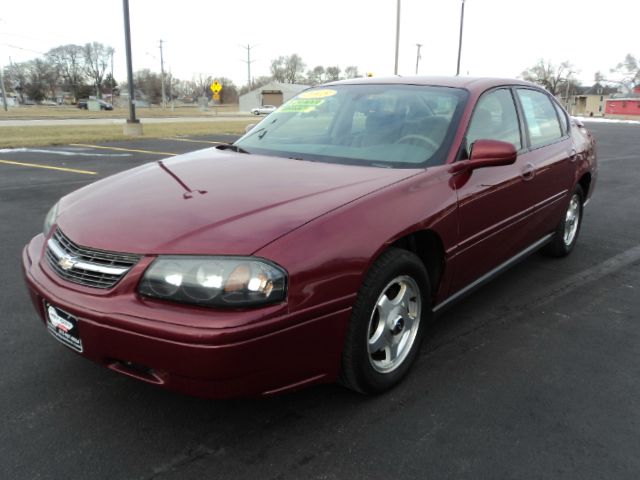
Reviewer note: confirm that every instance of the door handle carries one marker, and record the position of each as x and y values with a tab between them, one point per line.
528	172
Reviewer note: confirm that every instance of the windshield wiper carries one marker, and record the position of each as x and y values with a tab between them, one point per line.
231	146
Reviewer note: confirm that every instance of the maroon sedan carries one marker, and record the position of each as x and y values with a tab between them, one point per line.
317	247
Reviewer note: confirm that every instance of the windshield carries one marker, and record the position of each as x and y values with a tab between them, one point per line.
403	126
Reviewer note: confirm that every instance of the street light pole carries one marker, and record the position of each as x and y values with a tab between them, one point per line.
460	41
395	69
133	125
418	57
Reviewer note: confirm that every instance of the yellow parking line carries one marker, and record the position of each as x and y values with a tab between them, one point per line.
48	167
119	149
194	141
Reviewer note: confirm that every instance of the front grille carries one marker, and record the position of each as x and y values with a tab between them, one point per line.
86	266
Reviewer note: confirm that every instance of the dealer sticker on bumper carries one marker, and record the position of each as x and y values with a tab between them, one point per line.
63	326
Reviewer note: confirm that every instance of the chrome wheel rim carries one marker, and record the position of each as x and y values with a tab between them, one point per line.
572	220
393	324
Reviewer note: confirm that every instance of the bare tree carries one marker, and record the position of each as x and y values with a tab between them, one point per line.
333	73
351	72
294	66
201	85
96	59
69	63
287	69
627	72
316	75
149	83
39	79
17	78
550	76
278	69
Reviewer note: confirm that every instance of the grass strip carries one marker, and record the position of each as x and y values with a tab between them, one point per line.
14	137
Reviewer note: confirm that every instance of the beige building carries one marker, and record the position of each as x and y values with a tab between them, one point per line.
590	101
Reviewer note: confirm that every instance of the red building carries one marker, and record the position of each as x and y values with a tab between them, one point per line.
628	106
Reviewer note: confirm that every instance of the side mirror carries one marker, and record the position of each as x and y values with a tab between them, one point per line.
487	153
249	127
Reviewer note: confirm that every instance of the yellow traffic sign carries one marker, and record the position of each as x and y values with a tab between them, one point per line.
216	96
216	87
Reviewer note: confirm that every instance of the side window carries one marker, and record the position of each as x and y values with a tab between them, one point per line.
541	118
495	118
563	119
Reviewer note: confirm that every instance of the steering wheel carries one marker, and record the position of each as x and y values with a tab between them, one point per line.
414	138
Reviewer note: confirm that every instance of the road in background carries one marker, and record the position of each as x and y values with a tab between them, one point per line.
65	122
536	375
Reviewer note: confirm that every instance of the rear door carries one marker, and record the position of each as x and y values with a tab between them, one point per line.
549	159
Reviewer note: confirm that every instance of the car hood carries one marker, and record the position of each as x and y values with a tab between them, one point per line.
212	202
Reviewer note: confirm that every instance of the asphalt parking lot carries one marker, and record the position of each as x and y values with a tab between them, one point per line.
536	375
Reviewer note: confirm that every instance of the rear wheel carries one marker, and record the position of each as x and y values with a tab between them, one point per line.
387	323
566	234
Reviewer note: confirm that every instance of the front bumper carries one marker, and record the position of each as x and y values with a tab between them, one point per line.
194	350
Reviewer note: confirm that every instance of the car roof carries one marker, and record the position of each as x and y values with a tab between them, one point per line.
468	83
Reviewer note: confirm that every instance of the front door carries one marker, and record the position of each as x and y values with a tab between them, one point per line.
493	212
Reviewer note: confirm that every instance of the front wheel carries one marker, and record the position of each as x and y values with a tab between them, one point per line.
387	323
566	234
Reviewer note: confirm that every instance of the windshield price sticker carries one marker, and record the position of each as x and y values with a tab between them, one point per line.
301	105
325	92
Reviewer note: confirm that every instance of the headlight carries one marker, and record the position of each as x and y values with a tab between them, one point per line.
215	281
50	219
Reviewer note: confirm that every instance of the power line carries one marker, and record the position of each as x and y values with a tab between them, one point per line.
23	48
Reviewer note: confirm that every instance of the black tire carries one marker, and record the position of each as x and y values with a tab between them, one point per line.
560	245
367	372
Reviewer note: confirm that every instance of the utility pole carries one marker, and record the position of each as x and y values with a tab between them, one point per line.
164	98
395	69
248	61
133	126
460	41
113	81
418	57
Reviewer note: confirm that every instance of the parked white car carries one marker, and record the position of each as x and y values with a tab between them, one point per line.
264	110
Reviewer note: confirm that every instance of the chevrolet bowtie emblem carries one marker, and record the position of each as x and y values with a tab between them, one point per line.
66	262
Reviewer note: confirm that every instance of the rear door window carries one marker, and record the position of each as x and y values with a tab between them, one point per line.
540	116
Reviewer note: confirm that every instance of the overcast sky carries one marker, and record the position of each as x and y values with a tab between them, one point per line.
501	37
